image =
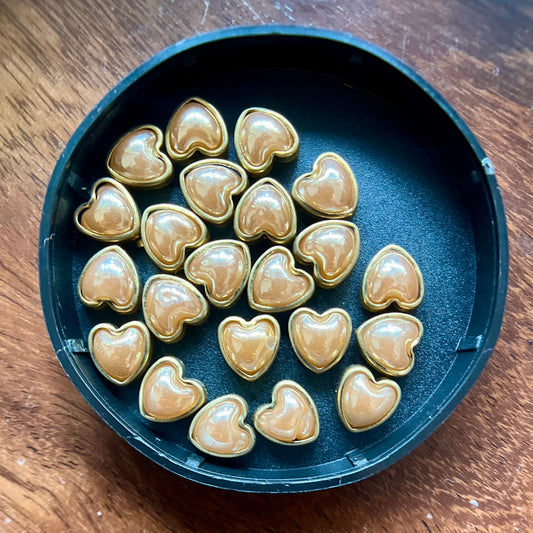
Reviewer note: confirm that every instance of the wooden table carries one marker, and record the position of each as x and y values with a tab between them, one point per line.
62	468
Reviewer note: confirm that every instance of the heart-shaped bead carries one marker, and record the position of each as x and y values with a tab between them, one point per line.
392	276
261	134
332	246
249	347
110	214
219	428
169	303
291	418
265	209
209	186
387	342
329	190
320	340
136	159
222	267
196	126
167	231
364	403
165	396
120	354
275	284
110	277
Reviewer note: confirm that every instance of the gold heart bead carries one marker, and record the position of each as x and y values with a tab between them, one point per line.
209	186
261	134
392	276
196	126
275	284
219	429
222	267
110	214
265	209
332	246
387	342
110	277
120	354
249	347
170	302
136	159
165	396
291	418
168	231
364	403
329	190
320	340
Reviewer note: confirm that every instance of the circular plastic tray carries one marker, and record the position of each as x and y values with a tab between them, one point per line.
424	182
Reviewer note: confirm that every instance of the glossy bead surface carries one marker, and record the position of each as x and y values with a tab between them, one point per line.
320	340
392	276
165	396
291	418
332	247
136	159
387	342
329	190
222	267
110	215
363	402
261	134
170	302
219	428
208	187
110	276
249	347
275	284
167	232
121	354
196	125
265	209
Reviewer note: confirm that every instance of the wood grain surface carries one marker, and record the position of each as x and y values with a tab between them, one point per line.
62	468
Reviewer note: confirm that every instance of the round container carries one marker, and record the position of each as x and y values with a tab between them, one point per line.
424	182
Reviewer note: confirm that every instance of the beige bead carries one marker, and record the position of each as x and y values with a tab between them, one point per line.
136	159
219	428
262	134
291	418
249	347
364	403
110	277
196	126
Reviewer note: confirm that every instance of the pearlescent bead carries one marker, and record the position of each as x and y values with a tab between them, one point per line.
320	340
332	246
222	267
110	214
364	403
265	209
392	276
110	276
261	134
120	354
196	126
209	185
167	231
136	159
387	342
275	284
219	428
249	347
291	418
170	302
165	396
329	190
